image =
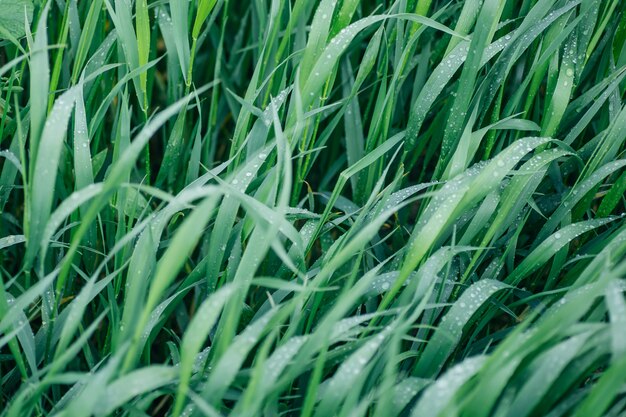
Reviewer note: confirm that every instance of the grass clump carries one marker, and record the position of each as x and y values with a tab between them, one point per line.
312	208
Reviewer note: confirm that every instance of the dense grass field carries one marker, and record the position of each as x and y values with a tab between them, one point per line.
313	208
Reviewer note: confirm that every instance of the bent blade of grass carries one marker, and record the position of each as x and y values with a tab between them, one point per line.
551	245
405	390
227	213
450	331
76	311
457	195
134	384
14	321
116	175
45	170
194	337
610	143
8	241
64	210
280	359
436	397
316	41
345	377
546	369
172	261
577	193
82	400
328	57
68	354
470	142
229	364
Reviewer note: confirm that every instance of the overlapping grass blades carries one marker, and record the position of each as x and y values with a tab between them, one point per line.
312	207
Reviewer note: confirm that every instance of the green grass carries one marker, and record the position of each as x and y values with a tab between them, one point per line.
313	208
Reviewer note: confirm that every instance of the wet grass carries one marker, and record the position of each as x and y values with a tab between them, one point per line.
313	208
